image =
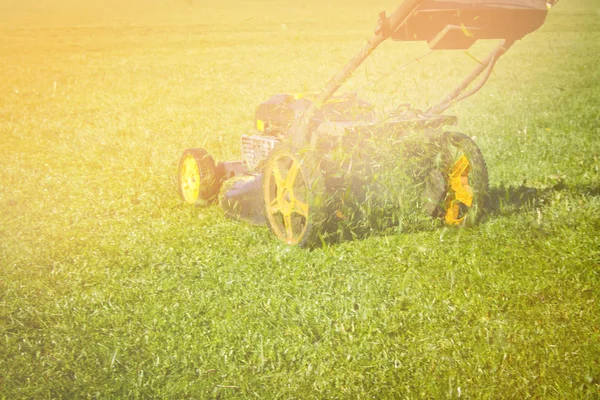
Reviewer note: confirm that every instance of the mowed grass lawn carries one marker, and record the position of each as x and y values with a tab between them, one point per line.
110	287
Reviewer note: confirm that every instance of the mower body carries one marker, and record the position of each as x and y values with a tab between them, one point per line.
345	123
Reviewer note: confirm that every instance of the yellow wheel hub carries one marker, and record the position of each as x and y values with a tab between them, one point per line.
286	192
189	180
460	194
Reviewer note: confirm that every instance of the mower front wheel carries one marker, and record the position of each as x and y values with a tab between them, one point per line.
198	181
293	191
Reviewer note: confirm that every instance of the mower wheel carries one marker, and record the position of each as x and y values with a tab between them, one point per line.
198	182
293	191
466	181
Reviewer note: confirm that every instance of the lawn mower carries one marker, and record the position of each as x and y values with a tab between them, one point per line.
315	161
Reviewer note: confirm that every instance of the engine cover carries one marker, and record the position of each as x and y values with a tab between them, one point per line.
275	115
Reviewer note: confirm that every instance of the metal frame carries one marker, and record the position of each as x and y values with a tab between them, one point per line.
487	65
300	132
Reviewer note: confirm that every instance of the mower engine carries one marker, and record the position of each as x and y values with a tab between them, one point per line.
274	117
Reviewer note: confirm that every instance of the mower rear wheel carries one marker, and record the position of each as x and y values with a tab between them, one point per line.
293	197
198	183
466	181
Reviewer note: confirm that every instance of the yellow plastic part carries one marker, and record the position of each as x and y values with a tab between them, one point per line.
189	180
460	191
286	202
260	125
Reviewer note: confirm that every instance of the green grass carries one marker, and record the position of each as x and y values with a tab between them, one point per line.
112	288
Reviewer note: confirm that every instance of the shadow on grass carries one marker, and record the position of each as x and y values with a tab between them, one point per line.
514	199
502	201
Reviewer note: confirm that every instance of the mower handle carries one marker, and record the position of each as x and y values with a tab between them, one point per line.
300	132
385	26
484	67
